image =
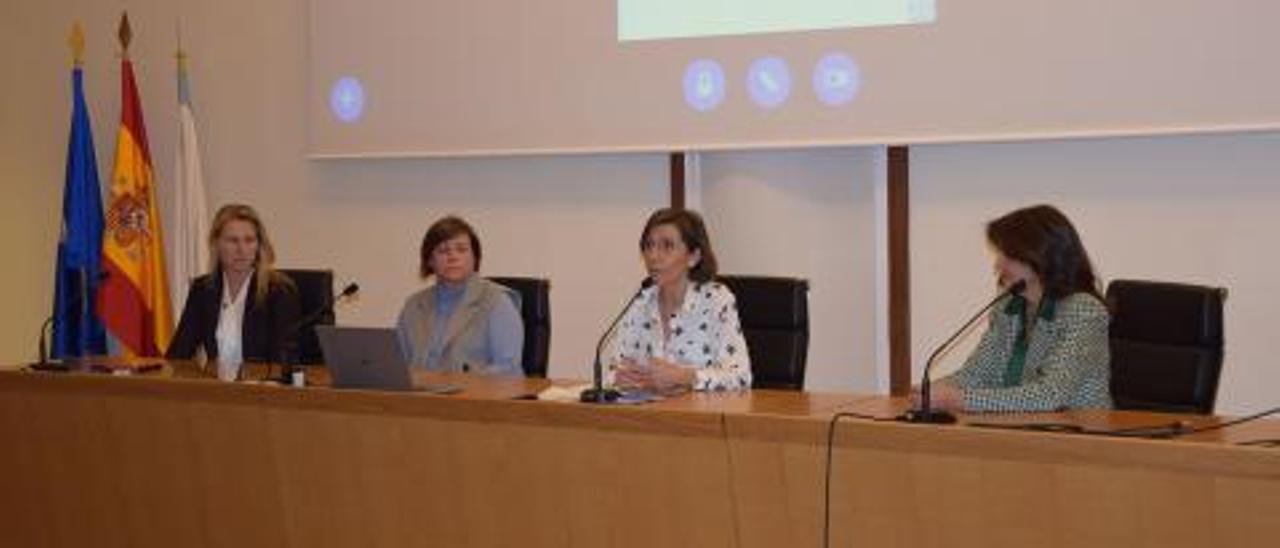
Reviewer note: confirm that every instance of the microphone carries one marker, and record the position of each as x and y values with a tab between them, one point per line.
44	364
77	304
44	343
926	414
286	373
351	289
598	393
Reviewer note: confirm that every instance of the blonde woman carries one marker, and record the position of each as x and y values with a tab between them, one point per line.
244	309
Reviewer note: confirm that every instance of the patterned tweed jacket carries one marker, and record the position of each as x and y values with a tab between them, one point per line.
1066	363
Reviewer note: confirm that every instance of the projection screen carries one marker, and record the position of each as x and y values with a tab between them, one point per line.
490	77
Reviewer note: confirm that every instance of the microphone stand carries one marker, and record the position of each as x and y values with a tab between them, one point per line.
287	367
43	352
81	303
598	393
926	414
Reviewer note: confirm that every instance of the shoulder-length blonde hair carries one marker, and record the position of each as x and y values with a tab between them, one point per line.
265	273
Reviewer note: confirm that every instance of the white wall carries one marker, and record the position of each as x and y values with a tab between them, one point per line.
1192	209
809	214
574	220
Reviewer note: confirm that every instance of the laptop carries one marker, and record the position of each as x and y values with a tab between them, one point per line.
370	358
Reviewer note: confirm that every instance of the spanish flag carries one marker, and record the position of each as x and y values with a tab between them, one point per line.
134	299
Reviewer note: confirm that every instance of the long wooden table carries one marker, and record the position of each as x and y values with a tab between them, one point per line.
177	459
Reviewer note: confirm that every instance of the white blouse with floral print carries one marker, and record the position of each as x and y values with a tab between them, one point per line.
704	334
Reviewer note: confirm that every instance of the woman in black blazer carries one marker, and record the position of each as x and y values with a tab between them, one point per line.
244	310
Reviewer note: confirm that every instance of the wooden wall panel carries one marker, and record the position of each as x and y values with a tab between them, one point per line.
154	462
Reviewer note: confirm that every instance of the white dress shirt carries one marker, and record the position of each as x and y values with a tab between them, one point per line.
230	329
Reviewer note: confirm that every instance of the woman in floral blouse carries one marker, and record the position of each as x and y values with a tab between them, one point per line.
1046	348
681	332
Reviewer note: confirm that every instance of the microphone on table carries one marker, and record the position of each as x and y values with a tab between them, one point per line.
289	368
925	413
77	305
598	393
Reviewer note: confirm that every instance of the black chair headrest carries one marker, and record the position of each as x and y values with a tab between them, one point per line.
775	302
1166	313
534	294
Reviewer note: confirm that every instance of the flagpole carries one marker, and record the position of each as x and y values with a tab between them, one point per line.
125	35
134	300
76	331
181	55
189	252
76	41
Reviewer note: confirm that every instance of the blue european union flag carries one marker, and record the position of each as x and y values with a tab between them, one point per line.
77	331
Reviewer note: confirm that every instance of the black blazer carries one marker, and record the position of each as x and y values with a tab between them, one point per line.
268	331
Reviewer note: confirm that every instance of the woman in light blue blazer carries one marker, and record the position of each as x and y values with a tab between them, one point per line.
462	322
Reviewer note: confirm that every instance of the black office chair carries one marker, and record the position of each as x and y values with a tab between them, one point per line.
315	292
1166	345
535	310
774	312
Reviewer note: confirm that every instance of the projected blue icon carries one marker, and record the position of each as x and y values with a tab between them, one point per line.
769	81
836	79
704	85
346	99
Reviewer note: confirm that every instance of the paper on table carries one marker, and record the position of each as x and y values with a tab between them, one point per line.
570	393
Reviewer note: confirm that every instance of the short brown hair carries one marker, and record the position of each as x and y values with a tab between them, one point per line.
693	232
441	231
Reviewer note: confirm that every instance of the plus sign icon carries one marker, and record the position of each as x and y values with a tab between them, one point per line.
346	99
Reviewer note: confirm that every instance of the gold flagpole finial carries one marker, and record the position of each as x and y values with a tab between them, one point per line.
181	55
77	44
126	33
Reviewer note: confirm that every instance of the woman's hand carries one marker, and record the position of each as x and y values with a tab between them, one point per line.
631	375
656	374
669	377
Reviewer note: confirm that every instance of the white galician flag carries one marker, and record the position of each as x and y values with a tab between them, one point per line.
189	237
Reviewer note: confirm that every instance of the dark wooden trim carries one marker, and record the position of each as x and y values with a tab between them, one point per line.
899	270
677	180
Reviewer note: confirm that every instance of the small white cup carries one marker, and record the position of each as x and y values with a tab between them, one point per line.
228	370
